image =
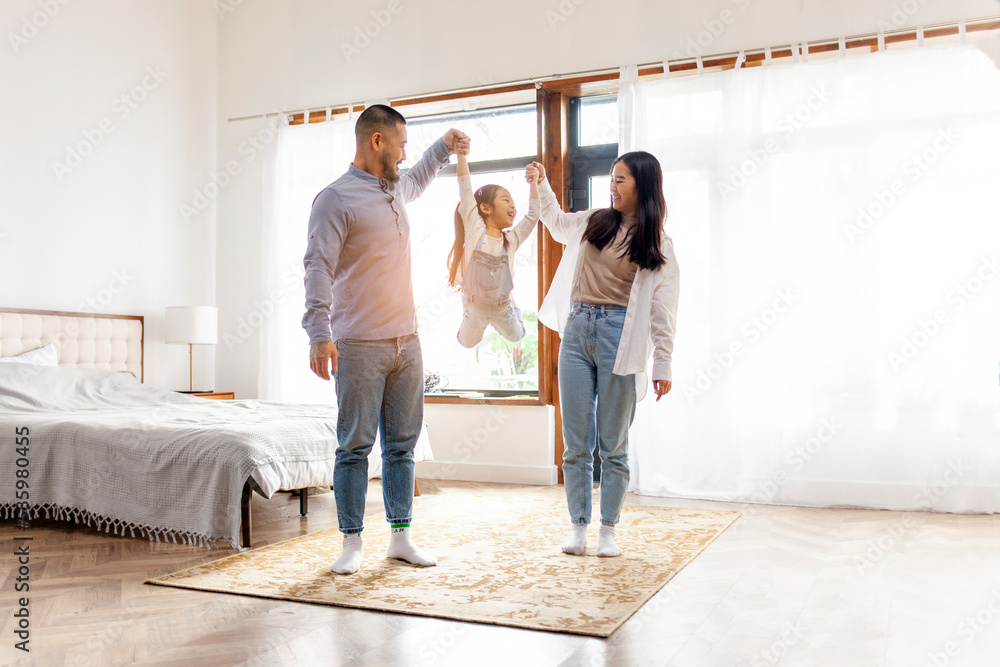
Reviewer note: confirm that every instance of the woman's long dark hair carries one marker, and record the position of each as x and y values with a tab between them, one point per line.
484	195
651	212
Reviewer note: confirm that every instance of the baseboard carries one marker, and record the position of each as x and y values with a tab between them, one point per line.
484	472
942	495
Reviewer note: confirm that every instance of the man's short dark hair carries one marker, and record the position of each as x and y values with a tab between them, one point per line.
376	118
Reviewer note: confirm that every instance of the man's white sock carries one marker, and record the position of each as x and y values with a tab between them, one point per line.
402	548
350	560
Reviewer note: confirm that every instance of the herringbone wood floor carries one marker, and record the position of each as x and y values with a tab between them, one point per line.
784	585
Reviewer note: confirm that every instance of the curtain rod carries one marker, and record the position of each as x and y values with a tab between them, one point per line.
903	34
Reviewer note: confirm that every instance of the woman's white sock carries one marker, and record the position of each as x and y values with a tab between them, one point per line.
606	545
577	542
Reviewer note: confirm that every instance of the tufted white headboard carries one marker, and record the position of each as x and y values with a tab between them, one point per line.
85	340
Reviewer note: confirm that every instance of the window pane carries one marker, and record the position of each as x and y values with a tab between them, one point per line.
599	121
495	134
495	363
600	191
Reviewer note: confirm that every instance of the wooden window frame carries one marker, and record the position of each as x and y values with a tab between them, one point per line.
505	97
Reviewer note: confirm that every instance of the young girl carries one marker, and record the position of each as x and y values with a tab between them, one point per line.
482	259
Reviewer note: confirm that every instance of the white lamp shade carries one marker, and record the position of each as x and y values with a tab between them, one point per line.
195	325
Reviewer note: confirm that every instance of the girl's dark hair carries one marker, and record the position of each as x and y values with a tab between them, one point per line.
484	195
643	244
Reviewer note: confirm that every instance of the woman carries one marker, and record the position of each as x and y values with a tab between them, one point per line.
614	301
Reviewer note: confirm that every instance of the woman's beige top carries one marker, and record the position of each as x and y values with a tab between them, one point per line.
605	276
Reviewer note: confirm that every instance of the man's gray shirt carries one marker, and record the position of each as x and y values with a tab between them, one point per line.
357	262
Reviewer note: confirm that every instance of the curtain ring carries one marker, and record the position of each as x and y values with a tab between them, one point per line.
843	46
666	69
740	59
767	55
881	41
701	66
961	31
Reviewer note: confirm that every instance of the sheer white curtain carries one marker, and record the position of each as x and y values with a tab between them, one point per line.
304	159
838	231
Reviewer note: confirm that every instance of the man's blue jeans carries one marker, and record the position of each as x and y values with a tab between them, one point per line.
380	385
595	404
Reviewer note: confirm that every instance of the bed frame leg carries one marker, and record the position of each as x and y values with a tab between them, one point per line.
304	501
245	516
416	487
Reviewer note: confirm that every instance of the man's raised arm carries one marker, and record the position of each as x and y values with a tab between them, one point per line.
413	183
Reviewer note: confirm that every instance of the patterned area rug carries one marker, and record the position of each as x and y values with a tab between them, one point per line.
499	561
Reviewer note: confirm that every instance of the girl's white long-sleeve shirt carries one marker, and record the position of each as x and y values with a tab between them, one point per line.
651	316
474	226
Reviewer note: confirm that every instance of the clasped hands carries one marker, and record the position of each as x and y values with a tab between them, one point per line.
457	142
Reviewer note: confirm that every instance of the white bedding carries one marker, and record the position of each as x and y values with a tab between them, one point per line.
108	450
278	475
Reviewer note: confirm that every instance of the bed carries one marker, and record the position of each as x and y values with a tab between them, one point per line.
107	450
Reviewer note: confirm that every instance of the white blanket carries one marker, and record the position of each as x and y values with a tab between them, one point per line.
112	452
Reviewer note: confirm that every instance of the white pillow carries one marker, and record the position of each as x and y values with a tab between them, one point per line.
45	356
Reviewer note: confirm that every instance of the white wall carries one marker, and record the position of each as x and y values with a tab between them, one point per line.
490	444
107	236
290	55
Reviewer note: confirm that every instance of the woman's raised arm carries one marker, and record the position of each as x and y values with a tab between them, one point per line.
559	223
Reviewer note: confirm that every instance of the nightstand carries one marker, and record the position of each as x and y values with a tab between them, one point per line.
218	395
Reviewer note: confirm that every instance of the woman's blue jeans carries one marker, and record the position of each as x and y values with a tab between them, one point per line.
380	385
596	405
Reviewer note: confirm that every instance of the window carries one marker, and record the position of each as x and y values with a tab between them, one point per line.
600	187
593	149
504	141
598	120
497	134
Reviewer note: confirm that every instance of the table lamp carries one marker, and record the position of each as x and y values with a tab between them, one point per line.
192	325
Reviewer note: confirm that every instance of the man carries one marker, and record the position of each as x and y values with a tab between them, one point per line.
362	323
